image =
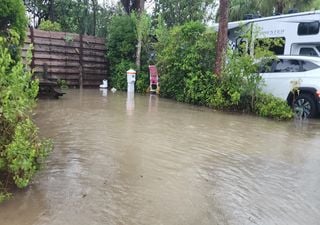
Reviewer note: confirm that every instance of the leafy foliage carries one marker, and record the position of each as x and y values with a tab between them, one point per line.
123	37
185	60
186	53
12	17
121	49
81	16
270	106
21	151
48	25
119	74
177	12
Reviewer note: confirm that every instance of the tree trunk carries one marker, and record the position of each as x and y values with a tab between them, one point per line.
138	54
140	4
94	8
222	41
126	5
51	10
280	6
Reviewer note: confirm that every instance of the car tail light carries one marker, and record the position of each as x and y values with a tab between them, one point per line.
318	93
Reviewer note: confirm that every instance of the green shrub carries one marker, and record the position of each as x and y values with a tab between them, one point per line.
269	106
118	78
21	151
184	56
48	25
142	82
239	84
185	60
12	17
122	41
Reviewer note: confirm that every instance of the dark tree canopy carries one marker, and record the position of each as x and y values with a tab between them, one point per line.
12	16
177	12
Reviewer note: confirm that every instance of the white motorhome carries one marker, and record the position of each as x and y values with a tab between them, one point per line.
299	31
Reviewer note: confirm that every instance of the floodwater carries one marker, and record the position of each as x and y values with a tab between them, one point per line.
142	160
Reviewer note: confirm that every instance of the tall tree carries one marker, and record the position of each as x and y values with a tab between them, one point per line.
222	41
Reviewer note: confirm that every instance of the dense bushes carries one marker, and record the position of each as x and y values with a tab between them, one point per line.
12	17
21	151
122	42
121	49
186	59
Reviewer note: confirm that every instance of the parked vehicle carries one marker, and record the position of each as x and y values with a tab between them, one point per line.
295	79
299	32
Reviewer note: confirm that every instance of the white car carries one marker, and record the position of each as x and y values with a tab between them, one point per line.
295	79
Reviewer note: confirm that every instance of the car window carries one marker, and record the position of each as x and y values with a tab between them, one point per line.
265	66
287	65
306	65
308	52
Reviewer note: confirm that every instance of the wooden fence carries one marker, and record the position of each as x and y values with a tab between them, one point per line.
77	59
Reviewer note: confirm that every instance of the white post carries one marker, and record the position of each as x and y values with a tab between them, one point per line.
131	78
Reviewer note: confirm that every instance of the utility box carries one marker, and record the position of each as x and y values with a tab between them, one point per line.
131	79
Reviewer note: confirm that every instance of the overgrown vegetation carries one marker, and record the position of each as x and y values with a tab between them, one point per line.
122	42
48	25
185	63
21	150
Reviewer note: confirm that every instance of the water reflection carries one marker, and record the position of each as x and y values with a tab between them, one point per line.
153	103
130	103
104	92
141	160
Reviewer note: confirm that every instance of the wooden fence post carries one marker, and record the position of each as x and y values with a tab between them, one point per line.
81	62
33	47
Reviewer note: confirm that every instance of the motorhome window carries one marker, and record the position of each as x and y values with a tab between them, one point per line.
308	52
306	65
308	28
287	65
318	47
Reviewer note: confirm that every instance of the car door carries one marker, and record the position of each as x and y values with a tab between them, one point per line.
279	80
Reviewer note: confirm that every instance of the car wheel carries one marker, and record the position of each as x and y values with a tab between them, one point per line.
304	106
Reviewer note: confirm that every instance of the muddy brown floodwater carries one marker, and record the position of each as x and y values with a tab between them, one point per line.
143	160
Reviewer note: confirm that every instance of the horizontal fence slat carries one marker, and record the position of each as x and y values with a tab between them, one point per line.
56	49
95	77
94	65
94	59
74	70
93	71
56	43
50	63
39	55
89	52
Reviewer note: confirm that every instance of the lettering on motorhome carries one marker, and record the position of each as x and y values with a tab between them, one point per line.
273	32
